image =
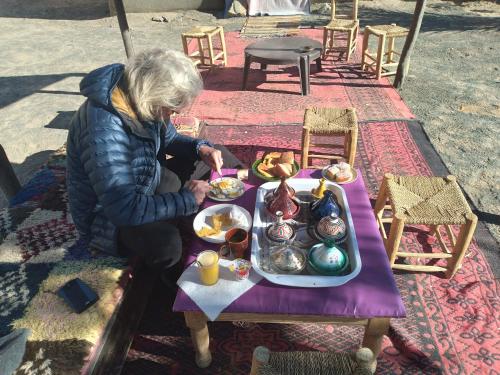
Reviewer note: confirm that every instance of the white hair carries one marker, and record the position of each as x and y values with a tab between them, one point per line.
159	78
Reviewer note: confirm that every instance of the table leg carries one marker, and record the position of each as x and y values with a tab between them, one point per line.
197	324
246	67
374	334
318	64
263	66
304	74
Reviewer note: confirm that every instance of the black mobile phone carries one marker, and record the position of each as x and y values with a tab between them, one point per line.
78	295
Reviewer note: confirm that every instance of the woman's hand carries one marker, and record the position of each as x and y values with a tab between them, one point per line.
199	189
211	157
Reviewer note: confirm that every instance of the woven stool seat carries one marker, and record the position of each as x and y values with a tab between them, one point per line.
330	122
206	53
342	25
432	201
391	31
309	363
428	200
199	31
349	26
374	62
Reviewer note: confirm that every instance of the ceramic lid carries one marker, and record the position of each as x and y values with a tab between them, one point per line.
288	259
328	260
281	201
332	229
279	231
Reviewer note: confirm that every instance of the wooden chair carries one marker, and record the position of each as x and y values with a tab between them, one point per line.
265	362
374	62
206	54
432	201
329	122
349	26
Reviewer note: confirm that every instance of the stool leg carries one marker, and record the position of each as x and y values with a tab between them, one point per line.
325	42
364	49
332	39
210	50
248	61
223	44
380	55
351	143
185	45
349	44
306	138
382	196
463	242
397	226
390	49
202	52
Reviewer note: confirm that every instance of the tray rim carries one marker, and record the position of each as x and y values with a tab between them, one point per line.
306	281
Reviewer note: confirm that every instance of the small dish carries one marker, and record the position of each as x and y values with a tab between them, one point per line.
352	179
232	189
203	219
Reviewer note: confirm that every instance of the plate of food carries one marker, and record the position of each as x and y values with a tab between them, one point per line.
275	165
340	173
213	222
226	189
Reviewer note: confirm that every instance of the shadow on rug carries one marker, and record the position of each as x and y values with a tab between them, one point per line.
451	325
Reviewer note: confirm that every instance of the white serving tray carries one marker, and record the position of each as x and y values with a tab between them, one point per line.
260	246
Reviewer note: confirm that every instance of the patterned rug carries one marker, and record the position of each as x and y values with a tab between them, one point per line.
270	26
273	96
451	325
39	252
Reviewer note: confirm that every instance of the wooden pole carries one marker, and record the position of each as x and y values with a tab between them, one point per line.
404	61
122	21
8	180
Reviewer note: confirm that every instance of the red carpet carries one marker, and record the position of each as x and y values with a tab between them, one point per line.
451	325
274	97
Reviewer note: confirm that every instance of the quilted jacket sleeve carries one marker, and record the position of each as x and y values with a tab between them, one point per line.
179	145
107	161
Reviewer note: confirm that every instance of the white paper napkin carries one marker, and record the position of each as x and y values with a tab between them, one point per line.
215	298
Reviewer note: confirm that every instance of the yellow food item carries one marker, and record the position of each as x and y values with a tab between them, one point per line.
222	220
224	184
277	164
207	232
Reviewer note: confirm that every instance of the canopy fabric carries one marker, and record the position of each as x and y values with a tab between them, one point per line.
278	7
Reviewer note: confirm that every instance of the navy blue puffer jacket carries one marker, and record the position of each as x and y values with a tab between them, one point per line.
114	165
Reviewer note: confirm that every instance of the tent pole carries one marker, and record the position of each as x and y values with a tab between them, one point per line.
404	62
122	21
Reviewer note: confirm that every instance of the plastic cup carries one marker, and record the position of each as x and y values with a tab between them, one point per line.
241	268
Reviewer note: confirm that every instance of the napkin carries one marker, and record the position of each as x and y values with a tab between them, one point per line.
213	299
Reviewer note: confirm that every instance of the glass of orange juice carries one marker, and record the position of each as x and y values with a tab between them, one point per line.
208	267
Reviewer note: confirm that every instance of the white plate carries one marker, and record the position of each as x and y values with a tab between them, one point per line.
353	171
201	220
238	190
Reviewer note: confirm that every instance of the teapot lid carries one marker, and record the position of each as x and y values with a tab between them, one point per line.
328	259
288	259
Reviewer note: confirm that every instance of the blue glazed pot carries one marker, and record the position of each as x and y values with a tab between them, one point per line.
326	206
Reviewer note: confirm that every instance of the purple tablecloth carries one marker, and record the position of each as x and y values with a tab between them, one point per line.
373	293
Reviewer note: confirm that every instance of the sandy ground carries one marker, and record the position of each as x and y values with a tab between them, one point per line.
453	85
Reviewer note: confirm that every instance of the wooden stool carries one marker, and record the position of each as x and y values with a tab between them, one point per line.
329	122
206	55
265	362
432	201
375	65
349	26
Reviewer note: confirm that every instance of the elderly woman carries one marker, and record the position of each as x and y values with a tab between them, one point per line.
125	196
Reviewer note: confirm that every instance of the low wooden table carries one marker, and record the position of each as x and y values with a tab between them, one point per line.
369	300
285	51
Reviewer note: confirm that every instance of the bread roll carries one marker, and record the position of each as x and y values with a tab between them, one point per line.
282	170
287	157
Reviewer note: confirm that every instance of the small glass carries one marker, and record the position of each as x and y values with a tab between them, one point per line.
208	267
241	268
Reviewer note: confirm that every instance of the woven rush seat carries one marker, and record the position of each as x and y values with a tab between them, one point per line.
432	201
374	62
206	55
342	25
329	122
265	362
391	31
